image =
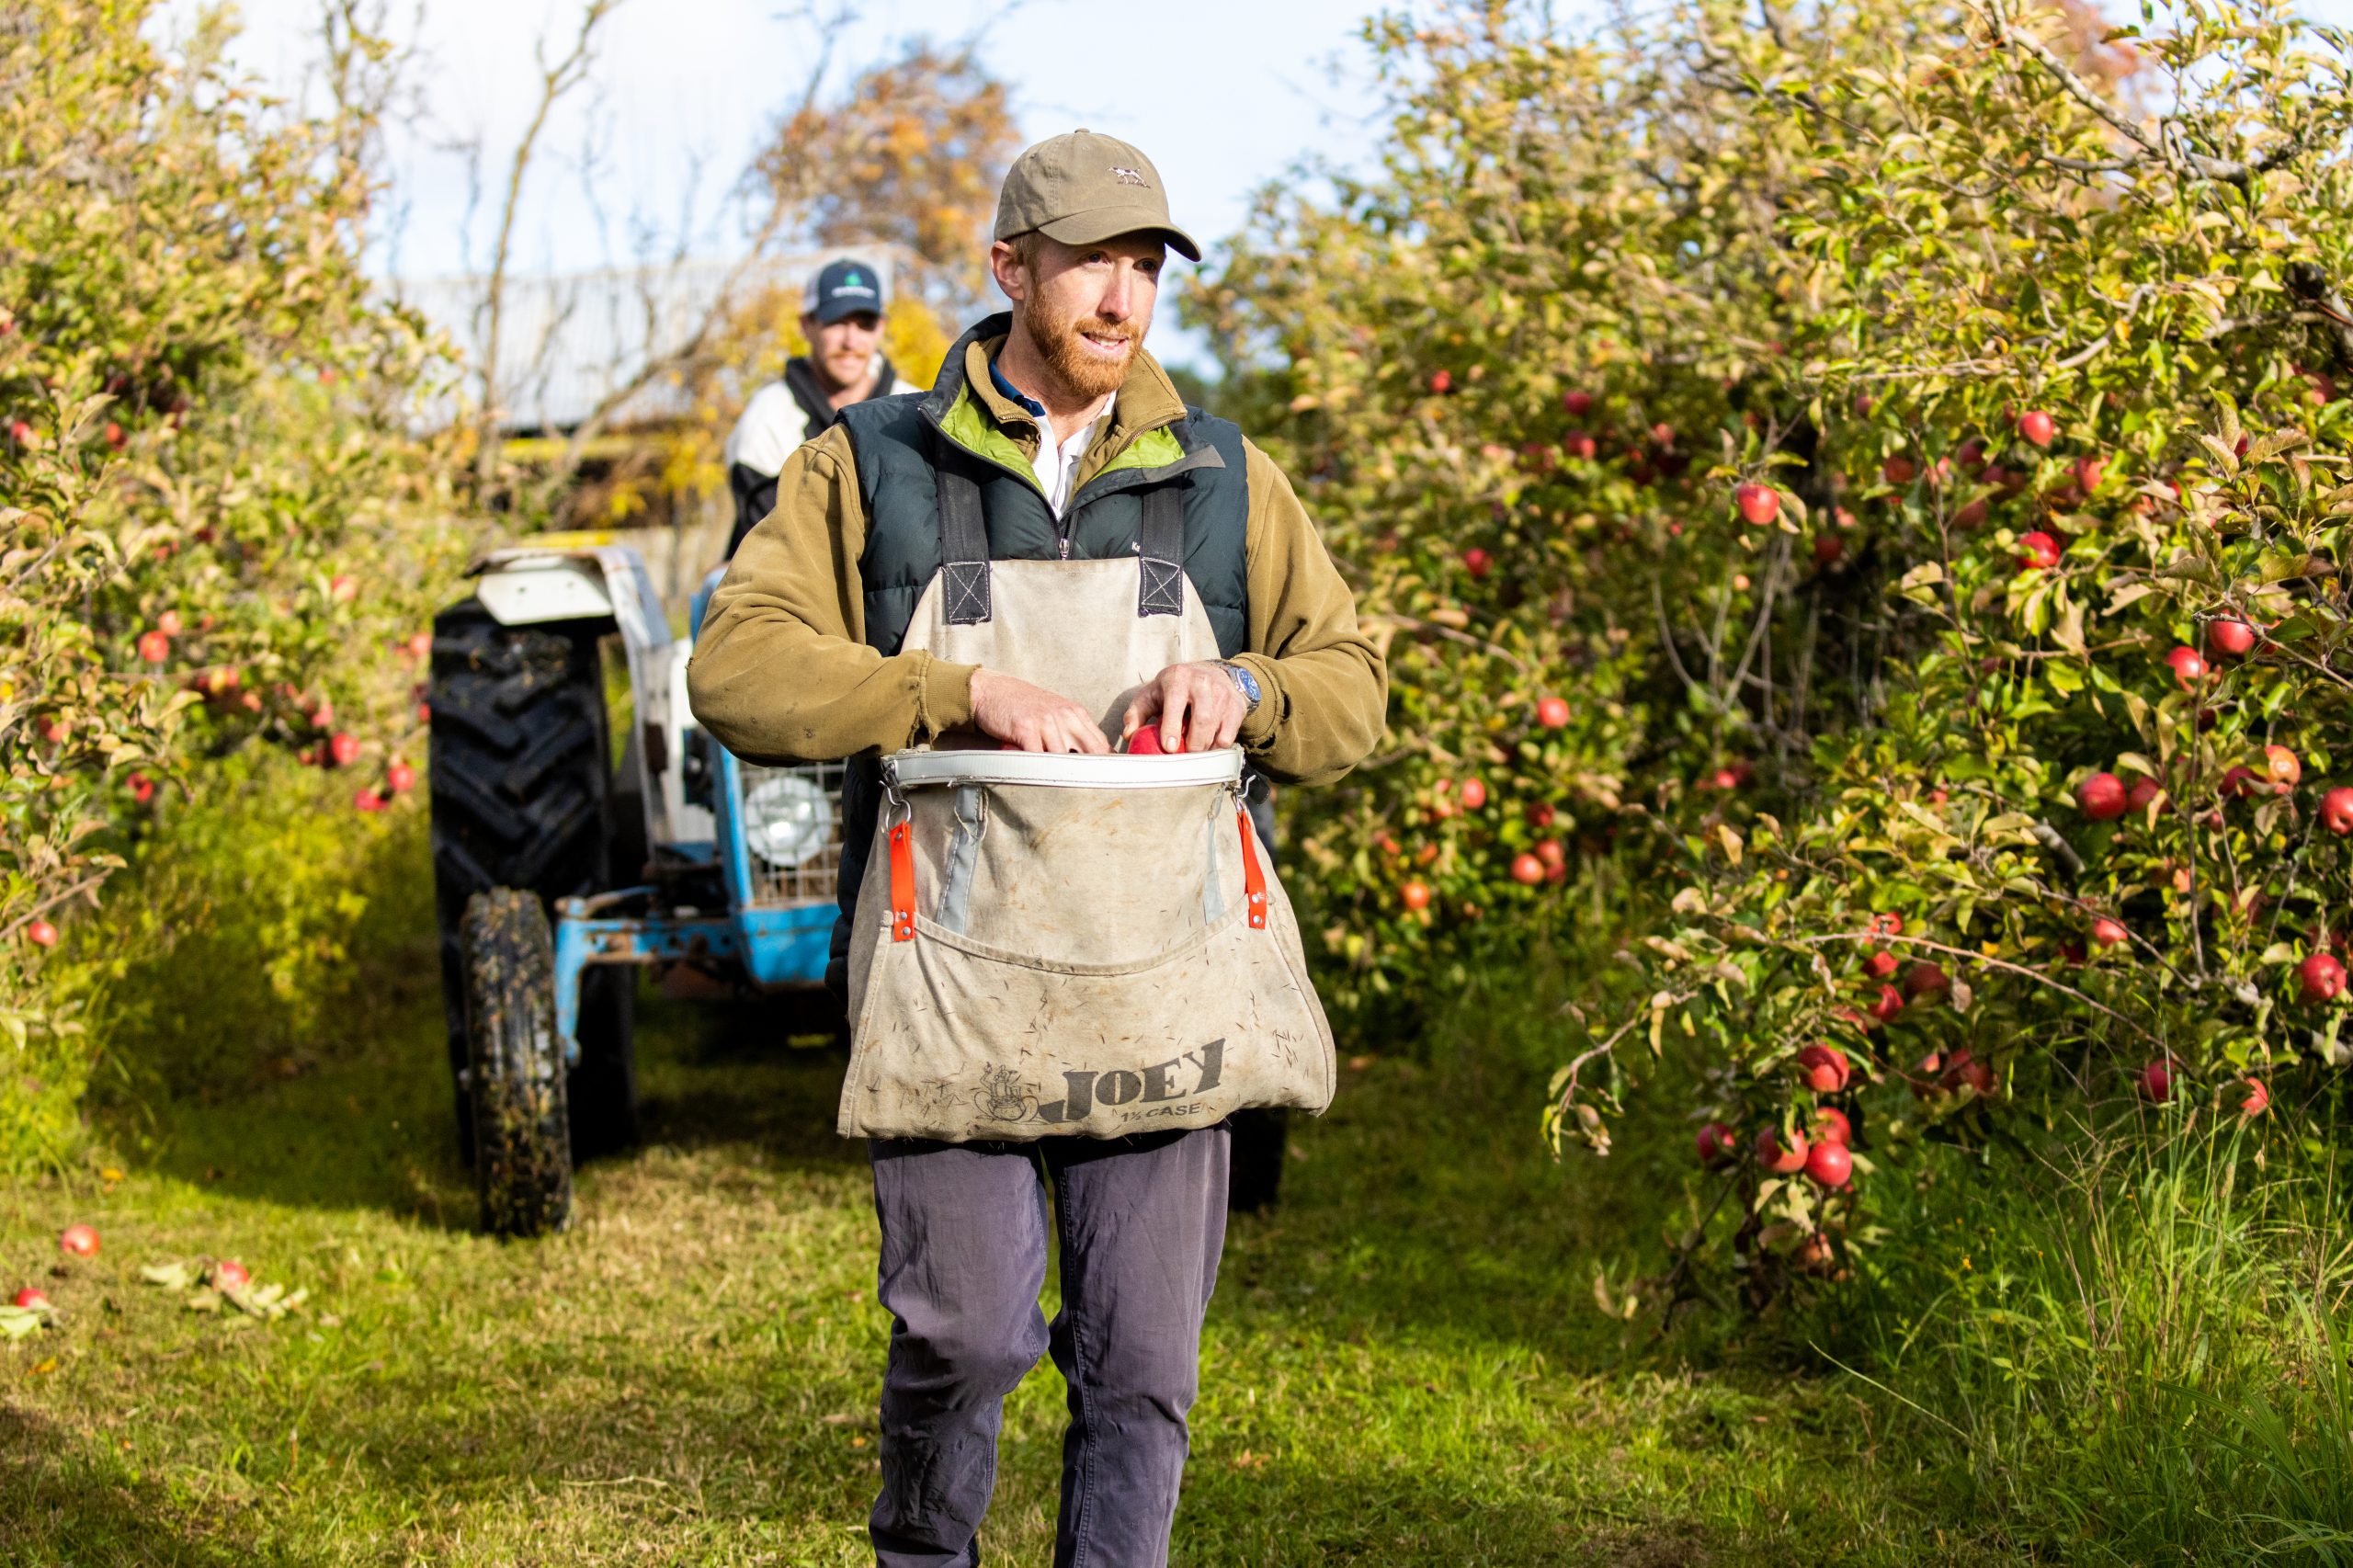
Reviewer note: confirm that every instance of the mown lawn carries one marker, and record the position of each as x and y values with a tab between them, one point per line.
1404	1364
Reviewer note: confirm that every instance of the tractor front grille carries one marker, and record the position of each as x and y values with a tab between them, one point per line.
816	871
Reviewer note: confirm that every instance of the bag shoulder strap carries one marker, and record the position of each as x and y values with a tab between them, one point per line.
1160	550
963	545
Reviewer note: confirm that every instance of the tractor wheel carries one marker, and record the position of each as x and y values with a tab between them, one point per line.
523	797
1259	1138
515	1064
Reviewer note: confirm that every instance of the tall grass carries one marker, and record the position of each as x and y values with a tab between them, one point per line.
2133	1351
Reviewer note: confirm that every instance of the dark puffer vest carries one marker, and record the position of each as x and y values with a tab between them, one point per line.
899	440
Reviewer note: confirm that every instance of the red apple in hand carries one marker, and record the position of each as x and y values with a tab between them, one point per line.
1146	743
2337	809
2038	427
2102	796
1829	1164
81	1241
2320	978
1759	503
1781	1159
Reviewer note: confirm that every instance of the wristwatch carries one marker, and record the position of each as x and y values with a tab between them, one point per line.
1243	682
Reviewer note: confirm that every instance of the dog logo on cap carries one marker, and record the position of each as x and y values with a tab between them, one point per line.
1128	176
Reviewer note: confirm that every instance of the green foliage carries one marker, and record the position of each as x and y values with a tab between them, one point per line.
1602	283
221	534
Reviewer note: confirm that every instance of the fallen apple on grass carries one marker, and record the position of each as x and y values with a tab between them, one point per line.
80	1240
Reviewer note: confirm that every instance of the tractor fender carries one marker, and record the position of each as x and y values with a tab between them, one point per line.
588	577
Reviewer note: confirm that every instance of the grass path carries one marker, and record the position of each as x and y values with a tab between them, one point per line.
1404	1364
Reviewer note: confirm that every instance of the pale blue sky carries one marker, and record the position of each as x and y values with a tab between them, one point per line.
1224	95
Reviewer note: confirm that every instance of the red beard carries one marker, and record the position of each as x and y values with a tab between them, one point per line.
1083	373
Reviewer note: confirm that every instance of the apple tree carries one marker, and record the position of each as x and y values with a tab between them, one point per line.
1879	472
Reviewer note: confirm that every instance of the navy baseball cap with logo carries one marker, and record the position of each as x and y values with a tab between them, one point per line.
844	287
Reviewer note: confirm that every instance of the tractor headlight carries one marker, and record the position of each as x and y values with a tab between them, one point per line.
787	820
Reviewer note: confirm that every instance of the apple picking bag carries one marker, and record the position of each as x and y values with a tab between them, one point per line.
1051	944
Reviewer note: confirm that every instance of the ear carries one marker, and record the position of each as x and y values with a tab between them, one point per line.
1006	267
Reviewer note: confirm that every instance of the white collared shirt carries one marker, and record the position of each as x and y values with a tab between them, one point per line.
1056	465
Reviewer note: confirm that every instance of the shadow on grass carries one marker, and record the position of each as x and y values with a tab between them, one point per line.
62	1503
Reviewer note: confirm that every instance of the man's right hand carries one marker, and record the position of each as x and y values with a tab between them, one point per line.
1031	717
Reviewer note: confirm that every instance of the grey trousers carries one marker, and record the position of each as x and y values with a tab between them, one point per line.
1142	1222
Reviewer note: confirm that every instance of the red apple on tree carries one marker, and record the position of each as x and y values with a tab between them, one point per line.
1898	470
1477	561
2337	809
1415	895
1578	404
2102	796
1890	1003
2189	667
1549	852
2143	790
2281	766
1526	868
2037	552
1441	381
2320	978
1830	1126
1828	549
1880	965
1829	1164
1927	979
1717	1144
1759	504
2089	472
343	748
1552	713
2229	637
1581	445
2108	932
2258	1101
40	932
400	778
2038	427
1781	1158
1823	1068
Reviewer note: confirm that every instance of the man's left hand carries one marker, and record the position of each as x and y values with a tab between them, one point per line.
1197	707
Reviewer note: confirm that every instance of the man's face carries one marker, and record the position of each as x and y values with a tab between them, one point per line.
842	350
1084	307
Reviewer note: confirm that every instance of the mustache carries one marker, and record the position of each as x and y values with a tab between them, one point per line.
1095	326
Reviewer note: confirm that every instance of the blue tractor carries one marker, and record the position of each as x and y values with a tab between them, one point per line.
564	855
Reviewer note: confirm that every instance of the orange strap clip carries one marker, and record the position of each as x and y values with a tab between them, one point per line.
903	885
1254	880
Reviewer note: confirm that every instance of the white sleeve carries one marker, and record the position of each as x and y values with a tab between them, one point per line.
767	433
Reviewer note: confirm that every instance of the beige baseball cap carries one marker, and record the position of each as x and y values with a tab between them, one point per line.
1082	188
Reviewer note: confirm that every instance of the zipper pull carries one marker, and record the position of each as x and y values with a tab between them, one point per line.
1065	546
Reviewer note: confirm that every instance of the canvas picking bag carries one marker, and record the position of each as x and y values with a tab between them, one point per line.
1055	945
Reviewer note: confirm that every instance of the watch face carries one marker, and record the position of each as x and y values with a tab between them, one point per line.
1248	682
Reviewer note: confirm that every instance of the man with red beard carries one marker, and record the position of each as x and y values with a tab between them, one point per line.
1050	436
842	323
